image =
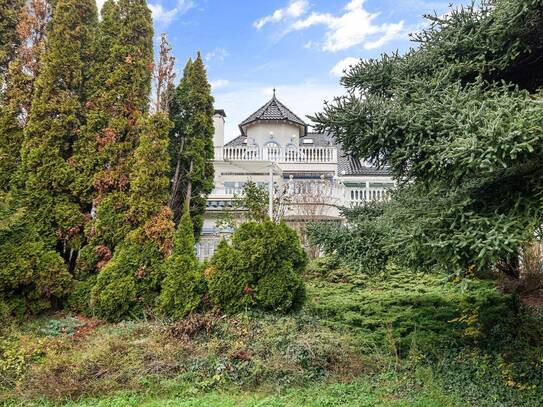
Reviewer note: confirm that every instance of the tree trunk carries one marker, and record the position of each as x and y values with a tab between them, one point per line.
188	194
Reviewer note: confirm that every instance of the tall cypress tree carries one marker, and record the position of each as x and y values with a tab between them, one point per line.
48	166
9	39
19	85
120	97
192	113
131	281
9	42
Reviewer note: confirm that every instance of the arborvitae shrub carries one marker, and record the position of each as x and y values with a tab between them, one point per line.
130	283
79	300
182	286
32	278
262	268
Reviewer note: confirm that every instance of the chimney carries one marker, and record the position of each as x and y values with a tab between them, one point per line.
218	122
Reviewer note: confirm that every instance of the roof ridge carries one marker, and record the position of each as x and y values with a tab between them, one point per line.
273	110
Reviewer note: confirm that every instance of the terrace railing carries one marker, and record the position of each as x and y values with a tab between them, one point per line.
309	155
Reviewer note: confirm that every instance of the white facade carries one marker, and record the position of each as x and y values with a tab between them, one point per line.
275	145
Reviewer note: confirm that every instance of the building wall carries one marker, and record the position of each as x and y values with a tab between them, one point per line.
280	133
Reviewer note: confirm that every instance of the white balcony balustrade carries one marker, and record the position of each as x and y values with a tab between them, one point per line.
359	196
308	155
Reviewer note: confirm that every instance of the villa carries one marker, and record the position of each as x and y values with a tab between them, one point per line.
276	149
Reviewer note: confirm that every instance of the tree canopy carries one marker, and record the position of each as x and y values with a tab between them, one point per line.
459	122
191	143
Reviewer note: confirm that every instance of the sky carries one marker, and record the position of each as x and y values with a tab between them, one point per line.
299	47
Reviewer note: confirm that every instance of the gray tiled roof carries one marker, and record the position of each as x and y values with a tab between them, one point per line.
349	165
353	167
238	141
273	110
319	140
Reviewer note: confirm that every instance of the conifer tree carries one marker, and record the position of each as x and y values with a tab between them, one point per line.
33	278
458	121
120	95
192	143
164	76
9	39
19	86
130	283
48	167
181	287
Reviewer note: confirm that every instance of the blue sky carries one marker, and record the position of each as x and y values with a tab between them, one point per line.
298	46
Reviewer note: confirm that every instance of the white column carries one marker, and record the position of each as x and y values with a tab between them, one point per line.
270	194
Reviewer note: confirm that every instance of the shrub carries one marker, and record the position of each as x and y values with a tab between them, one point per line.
181	288
130	283
362	243
262	268
32	278
332	269
80	298
402	310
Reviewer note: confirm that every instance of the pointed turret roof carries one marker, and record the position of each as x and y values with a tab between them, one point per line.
273	110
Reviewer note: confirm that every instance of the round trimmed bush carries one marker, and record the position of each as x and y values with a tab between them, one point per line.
261	268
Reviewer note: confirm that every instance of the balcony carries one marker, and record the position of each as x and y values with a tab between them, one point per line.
287	155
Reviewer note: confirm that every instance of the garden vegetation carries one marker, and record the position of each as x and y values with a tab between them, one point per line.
431	298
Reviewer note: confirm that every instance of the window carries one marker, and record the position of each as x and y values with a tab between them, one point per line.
308	141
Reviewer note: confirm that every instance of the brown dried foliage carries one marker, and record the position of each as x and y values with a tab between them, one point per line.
160	229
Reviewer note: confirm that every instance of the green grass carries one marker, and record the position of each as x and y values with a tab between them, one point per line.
400	339
375	391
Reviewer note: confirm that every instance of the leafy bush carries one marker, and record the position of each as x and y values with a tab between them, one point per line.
17	353
181	288
262	268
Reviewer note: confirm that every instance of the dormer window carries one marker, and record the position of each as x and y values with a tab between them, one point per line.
308	141
245	140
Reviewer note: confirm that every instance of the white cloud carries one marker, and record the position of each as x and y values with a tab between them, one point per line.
239	100
340	68
354	26
295	9
218	54
219	83
165	16
391	32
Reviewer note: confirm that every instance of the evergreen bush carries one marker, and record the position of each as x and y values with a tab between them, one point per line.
130	283
181	288
32	278
262	268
